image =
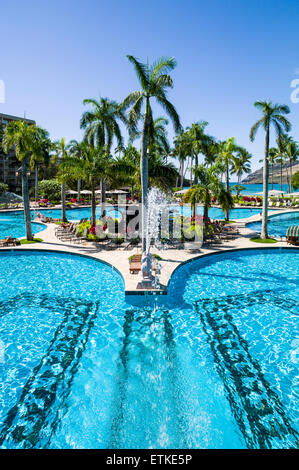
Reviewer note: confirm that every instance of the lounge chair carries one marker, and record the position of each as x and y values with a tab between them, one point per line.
9	241
135	264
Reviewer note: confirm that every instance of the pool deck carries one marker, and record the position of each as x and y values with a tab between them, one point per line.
171	258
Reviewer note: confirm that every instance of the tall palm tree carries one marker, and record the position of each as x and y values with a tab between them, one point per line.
199	141
88	166
76	149
227	157
181	151
241	163
273	156
272	115
292	151
40	155
154	81
61	149
26	140
101	125
209	186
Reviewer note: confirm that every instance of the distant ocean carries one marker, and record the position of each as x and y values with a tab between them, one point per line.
258	188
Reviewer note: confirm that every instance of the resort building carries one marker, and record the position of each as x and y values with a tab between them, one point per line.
9	164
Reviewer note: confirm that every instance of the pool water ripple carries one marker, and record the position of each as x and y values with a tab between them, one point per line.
212	365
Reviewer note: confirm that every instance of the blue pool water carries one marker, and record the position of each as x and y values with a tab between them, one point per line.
13	224
277	224
217	213
211	365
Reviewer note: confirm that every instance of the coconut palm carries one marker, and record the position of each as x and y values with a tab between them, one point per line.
63	176
209	186
241	162
273	158
89	166
181	151
199	141
25	139
226	157
76	150
292	151
40	155
154	81
101	126
272	115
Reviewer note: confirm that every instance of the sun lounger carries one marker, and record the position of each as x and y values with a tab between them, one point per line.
9	241
135	264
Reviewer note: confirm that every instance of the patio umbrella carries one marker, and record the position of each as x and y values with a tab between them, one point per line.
86	191
272	192
70	191
293	231
116	191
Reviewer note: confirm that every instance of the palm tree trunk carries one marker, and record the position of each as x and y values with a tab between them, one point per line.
227	188
144	177
26	201
287	177
182	173
103	198
93	204
291	163
206	217
36	182
272	175
196	166
63	208
280	173
264	233
79	191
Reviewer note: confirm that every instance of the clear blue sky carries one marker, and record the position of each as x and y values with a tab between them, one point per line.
229	54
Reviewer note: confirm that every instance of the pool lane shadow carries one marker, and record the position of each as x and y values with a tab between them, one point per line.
256	407
31	422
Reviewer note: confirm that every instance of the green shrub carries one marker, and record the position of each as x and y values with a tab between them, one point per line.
50	189
3	188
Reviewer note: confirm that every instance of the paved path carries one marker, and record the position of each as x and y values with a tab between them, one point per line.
171	258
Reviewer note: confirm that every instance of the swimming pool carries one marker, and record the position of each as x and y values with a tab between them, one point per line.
211	365
277	224
13	224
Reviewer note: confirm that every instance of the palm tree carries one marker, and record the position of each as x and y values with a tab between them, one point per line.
101	125
40	155
199	141
273	156
76	150
272	115
89	166
181	150
63	175
209	186
241	162
226	157
154	81
292	151
26	140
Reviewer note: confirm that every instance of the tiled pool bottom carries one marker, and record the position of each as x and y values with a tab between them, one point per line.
211	365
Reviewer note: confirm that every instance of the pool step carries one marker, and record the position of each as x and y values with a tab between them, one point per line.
147	336
255	406
31	422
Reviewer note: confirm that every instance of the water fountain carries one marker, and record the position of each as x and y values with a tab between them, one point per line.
157	207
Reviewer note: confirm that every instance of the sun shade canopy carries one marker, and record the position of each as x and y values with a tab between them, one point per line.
293	231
